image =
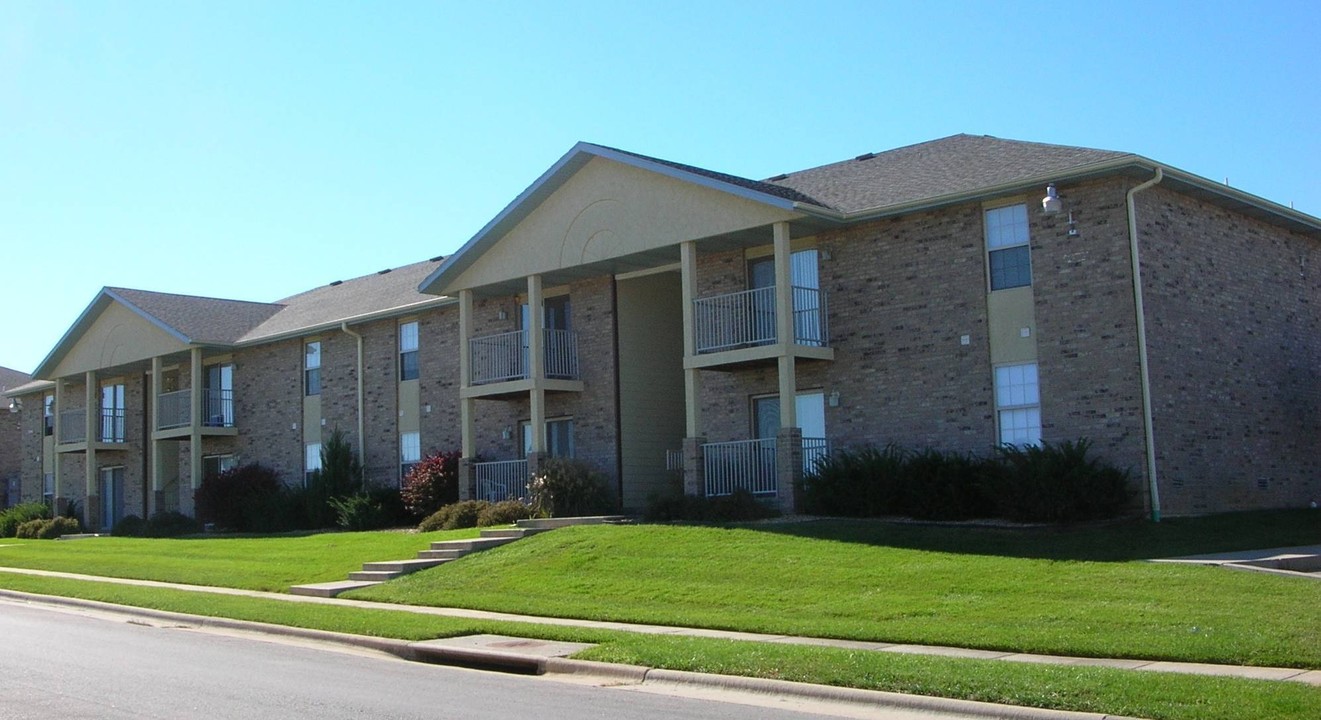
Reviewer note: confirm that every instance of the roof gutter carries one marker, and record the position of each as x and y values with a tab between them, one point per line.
355	319
362	438
1149	434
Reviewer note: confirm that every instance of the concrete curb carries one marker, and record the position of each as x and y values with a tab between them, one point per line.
624	674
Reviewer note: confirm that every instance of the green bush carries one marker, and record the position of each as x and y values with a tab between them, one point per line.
505	512
340	476
1057	482
247	498
1045	483
859	482
11	518
739	506
48	528
170	523
454	516
366	511
432	484
564	487
129	526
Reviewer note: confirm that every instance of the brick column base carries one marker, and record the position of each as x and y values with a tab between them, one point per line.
788	467
92	513
694	467
467	479
157	501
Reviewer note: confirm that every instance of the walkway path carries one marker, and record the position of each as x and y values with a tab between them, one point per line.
1312	677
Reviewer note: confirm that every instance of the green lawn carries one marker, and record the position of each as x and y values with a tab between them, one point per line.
1151	695
993	589
253	563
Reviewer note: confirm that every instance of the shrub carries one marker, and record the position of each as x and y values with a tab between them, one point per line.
454	516
170	523
372	510
505	512
245	498
739	506
129	526
861	482
1057	482
564	487
944	486
340	476
12	517
48	528
432	484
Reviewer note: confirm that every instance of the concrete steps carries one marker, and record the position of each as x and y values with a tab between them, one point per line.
443	551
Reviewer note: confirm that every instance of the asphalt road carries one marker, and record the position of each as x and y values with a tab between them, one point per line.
67	664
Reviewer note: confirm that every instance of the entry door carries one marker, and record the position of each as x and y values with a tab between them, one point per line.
219	410
811	412
111	489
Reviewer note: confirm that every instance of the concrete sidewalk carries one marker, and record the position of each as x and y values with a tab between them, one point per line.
1312	677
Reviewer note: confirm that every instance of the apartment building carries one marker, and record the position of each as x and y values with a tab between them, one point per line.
10	439
649	318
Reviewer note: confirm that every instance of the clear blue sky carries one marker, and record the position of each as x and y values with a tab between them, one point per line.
253	150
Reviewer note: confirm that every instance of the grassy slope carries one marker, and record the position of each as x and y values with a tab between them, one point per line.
260	563
1101	690
877	582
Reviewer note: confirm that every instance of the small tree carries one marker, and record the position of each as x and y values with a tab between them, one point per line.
432	483
340	475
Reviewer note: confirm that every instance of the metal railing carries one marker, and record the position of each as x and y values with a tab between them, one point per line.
674	460
504	357
810	317
218	408
561	354
500	480
740	465
747	319
112	425
814	451
174	409
73	426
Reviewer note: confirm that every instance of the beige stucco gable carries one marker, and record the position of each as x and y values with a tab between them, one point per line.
609	210
116	337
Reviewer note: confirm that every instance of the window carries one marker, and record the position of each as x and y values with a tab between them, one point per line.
312	369
410	452
1018	404
559	438
408	351
112	413
111	489
218	401
48	415
48	488
213	465
311	460
1007	245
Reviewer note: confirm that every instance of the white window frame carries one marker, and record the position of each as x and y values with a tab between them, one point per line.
410	452
311	363
311	459
1018	398
408	344
1003	234
525	428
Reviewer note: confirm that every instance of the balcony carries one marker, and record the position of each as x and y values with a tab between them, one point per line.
751	465
174	413
109	429
500	480
502	360
745	323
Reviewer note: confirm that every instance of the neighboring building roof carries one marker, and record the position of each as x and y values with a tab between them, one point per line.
27	388
213	322
948	166
10	379
386	291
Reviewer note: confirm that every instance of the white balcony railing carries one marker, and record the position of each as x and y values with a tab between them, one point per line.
504	357
73	426
112	425
218	408
747	319
814	451
740	465
500	480
173	409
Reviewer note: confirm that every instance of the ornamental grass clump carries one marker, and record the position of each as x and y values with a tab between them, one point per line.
564	487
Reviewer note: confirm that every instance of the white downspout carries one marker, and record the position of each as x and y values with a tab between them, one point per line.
1148	432
362	439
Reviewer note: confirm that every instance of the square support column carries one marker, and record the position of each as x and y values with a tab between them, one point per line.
467	406
784	325
467	478
694	467
788	467
536	365
153	446
92	502
195	423
57	464
692	378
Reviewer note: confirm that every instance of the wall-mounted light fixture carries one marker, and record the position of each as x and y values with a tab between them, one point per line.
15	405
507	433
1051	204
834	399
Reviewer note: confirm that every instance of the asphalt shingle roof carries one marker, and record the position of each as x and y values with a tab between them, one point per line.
204	320
956	164
10	379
